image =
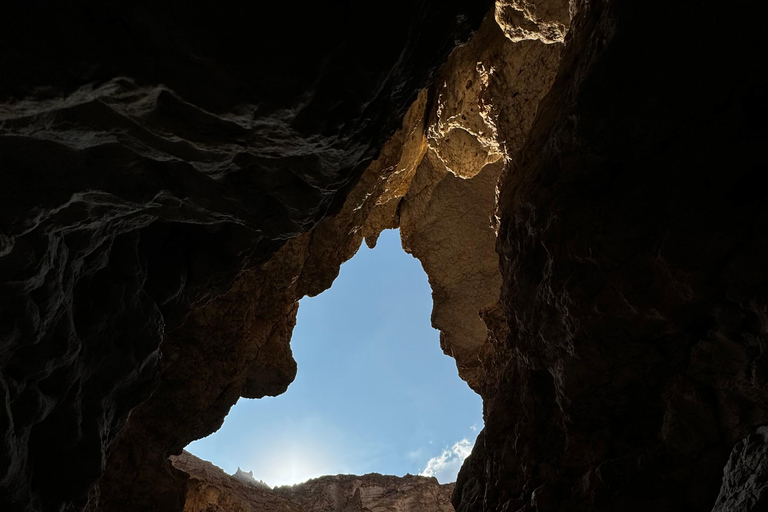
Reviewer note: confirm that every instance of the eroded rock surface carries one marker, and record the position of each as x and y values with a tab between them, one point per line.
435	180
371	493
165	206
539	20
210	185
212	490
152	154
447	218
632	246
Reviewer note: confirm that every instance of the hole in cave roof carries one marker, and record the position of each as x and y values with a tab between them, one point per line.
373	393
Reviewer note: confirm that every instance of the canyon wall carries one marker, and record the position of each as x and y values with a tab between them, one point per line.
212	490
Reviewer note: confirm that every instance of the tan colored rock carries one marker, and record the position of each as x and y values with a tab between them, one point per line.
447	217
371	493
243	334
210	489
539	20
454	218
436	180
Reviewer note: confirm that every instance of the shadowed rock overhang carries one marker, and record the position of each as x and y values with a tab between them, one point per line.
581	181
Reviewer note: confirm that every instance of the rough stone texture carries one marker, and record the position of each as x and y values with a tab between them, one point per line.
745	478
243	335
165	206
222	338
447	217
435	179
211	490
401	188
540	20
632	242
151	154
371	493
243	476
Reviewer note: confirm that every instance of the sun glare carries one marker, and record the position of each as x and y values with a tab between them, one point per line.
298	465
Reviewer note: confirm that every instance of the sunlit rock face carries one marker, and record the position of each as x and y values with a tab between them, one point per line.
212	490
435	180
538	20
447	218
152	153
371	493
633	244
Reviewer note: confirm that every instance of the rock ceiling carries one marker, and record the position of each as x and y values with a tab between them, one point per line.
581	181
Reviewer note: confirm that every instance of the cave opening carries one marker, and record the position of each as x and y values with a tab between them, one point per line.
373	392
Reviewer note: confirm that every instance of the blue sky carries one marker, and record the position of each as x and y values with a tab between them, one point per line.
374	392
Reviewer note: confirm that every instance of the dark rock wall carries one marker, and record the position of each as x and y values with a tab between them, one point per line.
150	153
633	246
745	477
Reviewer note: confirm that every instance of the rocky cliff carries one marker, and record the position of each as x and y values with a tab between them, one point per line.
153	154
212	490
632	246
582	181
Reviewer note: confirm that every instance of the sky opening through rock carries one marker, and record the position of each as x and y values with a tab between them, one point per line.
374	392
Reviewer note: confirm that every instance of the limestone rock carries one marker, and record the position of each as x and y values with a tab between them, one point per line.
247	477
371	493
152	155
541	20
436	180
211	490
447	218
632	246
